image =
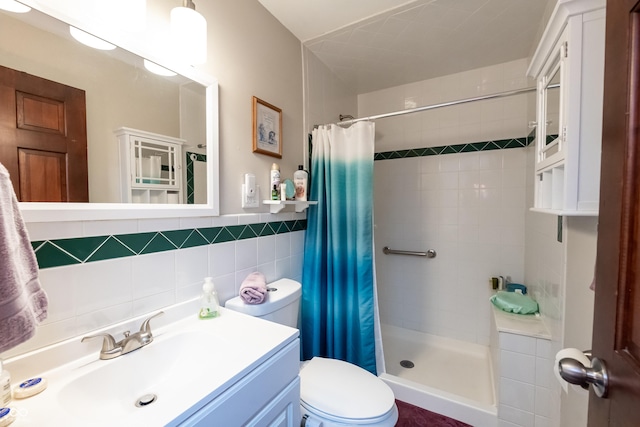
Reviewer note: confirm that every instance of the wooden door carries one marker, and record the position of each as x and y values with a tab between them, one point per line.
43	138
616	326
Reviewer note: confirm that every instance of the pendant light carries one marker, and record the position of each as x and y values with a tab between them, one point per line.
157	69
189	34
90	40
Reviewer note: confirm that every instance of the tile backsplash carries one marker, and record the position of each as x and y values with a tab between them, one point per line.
98	273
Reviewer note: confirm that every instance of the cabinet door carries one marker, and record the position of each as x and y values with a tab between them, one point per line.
155	163
283	411
550	126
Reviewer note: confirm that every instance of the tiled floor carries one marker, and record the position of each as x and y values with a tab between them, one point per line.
410	416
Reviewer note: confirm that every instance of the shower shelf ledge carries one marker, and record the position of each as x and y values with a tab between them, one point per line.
276	206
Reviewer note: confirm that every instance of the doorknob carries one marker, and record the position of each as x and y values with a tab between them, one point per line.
574	372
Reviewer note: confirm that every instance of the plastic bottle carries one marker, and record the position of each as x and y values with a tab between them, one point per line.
210	307
275	180
5	387
300	179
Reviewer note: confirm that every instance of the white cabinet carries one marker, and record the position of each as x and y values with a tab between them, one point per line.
150	167
569	68
267	396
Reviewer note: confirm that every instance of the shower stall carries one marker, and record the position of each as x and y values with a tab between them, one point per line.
463	199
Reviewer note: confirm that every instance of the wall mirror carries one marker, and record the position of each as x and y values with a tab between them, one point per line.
120	93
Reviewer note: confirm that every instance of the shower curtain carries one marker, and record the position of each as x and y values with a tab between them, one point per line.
338	289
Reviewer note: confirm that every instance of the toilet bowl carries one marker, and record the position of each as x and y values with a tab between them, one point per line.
333	393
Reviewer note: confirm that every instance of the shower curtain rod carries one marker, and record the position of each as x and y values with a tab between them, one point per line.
434	106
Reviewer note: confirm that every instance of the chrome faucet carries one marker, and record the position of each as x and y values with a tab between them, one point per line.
112	349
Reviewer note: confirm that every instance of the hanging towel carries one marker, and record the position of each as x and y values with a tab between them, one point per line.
23	302
253	289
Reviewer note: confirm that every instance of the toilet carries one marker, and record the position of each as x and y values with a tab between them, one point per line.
333	393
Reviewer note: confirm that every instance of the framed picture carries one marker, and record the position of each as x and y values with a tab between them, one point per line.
267	128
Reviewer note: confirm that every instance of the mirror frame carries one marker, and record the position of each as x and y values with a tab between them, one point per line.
60	212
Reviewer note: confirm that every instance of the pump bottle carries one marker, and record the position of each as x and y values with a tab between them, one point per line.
210	307
5	387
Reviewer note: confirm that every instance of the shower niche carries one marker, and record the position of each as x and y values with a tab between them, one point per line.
568	66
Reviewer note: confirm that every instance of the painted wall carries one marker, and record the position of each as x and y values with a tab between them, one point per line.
250	53
467	206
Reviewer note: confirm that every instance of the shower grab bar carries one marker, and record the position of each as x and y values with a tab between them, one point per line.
429	254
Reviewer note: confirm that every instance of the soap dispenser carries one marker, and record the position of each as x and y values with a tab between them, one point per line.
210	307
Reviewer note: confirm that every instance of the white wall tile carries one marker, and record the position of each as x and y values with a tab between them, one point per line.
222	258
516	416
153	274
518	366
543	402
246	253
192	266
517	343
517	394
99	285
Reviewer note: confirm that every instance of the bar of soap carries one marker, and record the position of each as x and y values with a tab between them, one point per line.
29	388
7	416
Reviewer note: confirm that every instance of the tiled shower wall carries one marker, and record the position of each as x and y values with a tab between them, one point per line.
469	207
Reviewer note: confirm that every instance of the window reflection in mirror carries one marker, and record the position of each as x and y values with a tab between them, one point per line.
119	92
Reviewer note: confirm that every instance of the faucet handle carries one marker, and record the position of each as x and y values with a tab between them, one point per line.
108	344
146	327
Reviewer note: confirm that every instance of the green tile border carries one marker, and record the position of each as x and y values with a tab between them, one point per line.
190	177
81	250
499	144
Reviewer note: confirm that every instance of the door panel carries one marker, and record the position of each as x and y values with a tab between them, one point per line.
43	138
40	114
42	176
616	330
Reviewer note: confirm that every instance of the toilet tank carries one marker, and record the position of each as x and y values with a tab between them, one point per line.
281	305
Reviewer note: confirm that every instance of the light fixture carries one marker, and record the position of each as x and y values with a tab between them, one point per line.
14	6
157	69
189	34
90	40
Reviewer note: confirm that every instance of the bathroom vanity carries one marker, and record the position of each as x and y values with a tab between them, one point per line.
230	370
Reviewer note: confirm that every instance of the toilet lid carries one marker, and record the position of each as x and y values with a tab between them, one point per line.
344	390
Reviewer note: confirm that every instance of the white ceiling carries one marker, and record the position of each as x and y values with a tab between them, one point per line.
375	44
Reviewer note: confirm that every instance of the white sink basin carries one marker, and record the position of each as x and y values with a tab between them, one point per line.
189	363
167	367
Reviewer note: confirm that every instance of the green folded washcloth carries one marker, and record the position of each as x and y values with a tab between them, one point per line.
514	302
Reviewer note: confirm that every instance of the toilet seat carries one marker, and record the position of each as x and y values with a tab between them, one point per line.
344	393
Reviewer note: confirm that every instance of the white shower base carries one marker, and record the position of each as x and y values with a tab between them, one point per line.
450	377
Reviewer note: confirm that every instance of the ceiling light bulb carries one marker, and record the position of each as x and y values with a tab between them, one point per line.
90	40
157	69
14	6
189	34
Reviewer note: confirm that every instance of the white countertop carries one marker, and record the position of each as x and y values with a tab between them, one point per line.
234	345
521	324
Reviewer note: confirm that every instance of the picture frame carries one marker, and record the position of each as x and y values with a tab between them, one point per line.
267	128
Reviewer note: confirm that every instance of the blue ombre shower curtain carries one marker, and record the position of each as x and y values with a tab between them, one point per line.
338	293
